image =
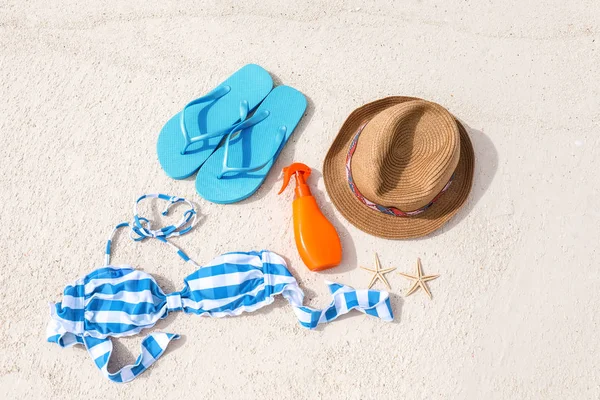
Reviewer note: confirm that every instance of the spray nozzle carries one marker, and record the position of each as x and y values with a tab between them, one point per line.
301	171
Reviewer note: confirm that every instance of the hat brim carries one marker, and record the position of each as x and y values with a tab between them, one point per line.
375	222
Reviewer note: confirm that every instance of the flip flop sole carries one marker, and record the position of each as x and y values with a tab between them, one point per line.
251	83
251	146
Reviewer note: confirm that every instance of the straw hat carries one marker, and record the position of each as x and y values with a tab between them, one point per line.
400	167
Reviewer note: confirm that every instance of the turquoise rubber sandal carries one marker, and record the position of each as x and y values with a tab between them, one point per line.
240	165
193	134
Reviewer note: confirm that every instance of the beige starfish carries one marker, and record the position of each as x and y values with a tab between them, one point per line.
420	280
378	273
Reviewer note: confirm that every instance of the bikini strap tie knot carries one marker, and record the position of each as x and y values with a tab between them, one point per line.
141	228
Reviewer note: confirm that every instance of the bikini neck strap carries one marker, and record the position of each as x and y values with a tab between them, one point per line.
141	228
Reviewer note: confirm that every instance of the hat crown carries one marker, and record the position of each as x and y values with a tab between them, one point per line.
406	154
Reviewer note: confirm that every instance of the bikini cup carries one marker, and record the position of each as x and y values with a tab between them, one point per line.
117	301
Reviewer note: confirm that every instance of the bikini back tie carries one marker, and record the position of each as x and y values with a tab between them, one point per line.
141	228
117	301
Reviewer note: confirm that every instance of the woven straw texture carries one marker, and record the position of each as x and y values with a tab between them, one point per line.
406	153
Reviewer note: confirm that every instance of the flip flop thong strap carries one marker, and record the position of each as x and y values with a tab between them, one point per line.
278	141
141	228
212	96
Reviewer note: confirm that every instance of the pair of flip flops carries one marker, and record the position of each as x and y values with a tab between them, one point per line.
215	136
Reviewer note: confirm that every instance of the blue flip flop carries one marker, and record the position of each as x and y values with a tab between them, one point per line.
193	134
240	165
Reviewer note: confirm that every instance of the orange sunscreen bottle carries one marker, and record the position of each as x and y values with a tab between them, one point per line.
317	241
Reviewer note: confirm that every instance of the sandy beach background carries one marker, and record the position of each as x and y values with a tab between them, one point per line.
86	87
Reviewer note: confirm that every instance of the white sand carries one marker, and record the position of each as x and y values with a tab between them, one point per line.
85	89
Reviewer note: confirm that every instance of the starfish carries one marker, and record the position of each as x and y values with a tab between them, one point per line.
378	273
420	280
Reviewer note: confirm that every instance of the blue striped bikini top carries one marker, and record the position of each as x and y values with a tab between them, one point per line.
117	301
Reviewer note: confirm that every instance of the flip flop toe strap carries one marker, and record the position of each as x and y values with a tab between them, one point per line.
277	142
212	96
